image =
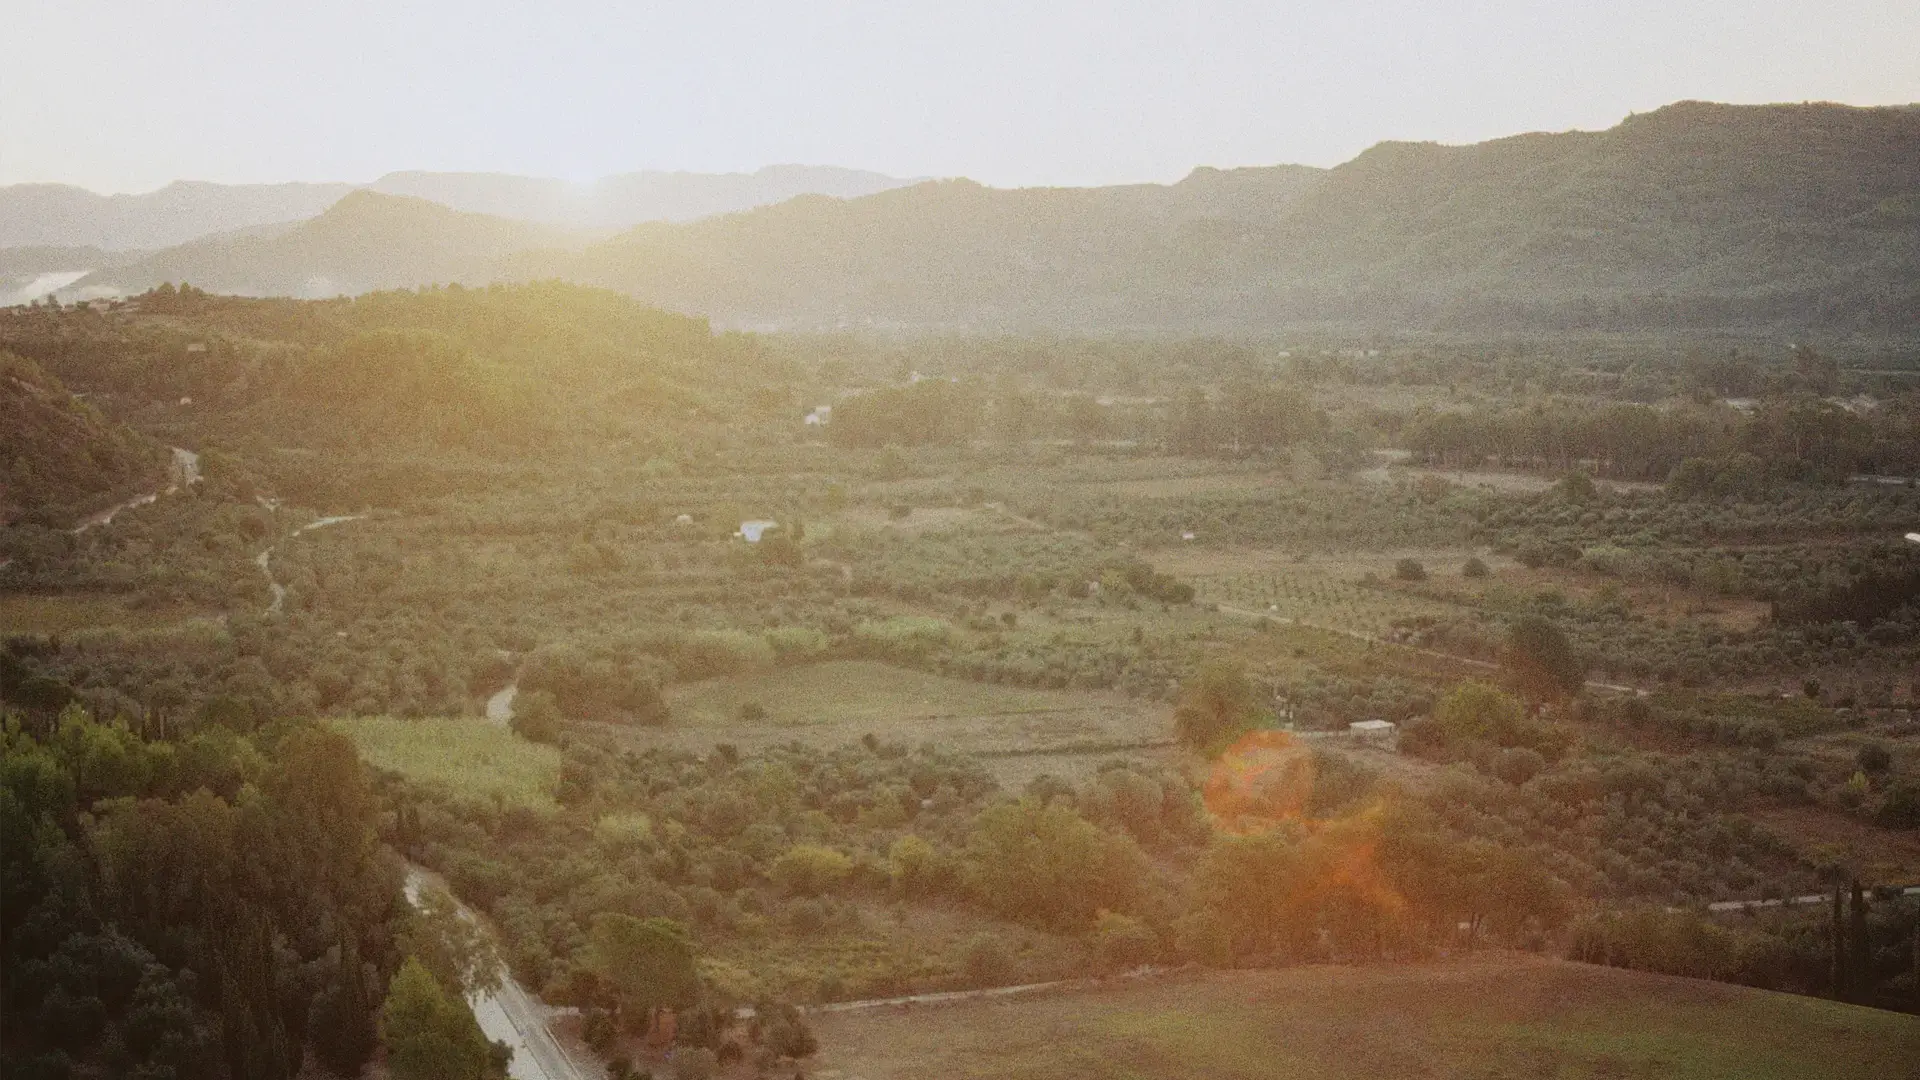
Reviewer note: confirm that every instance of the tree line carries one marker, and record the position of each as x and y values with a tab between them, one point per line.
216	907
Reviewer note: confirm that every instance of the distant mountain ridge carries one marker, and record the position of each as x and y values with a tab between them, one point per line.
630	198
1693	216
951	254
59	215
364	242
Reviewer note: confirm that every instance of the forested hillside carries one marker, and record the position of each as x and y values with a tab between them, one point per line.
493	372
59	453
1693	214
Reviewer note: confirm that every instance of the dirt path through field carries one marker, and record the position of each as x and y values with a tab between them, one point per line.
500	705
264	560
185	472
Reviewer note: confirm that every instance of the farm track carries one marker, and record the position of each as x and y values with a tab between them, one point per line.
185	473
955	997
1370	639
264	560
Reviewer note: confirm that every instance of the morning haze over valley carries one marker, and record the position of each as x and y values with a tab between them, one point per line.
1677	218
1205	540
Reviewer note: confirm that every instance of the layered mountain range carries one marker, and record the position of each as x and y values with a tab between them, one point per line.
63	216
1696	215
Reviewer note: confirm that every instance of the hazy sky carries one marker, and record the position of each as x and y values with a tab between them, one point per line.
125	95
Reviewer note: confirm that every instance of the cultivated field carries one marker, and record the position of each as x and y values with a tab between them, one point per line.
1327	590
1321	590
467	755
1482	1017
1506	481
1021	731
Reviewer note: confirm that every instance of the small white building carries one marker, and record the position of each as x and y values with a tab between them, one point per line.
751	531
1377	732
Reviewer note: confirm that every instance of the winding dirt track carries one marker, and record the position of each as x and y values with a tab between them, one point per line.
264	560
185	473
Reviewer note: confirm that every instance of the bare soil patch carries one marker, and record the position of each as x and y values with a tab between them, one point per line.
1885	856
1484	1016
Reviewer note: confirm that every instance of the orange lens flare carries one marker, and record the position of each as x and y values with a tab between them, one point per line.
1259	783
1264	782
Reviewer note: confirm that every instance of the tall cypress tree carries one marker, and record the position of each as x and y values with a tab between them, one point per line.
252	1032
1836	934
1859	948
342	1028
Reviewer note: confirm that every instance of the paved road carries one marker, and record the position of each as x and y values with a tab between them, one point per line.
510	1014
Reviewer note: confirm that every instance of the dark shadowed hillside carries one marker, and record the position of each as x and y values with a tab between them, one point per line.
57	453
1696	213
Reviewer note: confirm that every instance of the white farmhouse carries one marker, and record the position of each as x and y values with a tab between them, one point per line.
1376	732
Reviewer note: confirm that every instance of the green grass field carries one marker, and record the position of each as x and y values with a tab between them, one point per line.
1487	1017
466	755
828	704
